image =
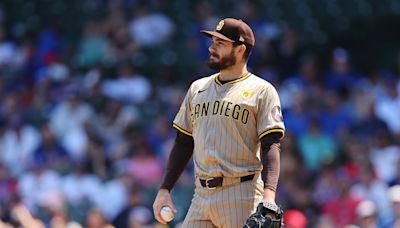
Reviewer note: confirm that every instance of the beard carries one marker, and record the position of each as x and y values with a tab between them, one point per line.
223	63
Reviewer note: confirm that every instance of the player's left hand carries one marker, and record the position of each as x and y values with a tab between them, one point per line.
265	218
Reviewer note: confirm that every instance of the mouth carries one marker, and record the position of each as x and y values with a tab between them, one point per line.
213	56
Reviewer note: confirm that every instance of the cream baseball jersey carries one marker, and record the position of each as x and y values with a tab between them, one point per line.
227	122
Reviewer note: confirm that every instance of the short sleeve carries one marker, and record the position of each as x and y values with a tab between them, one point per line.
183	119
269	113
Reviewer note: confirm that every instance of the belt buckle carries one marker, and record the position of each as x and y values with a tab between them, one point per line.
207	184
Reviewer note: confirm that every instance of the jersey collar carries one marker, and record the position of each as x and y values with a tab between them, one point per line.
233	81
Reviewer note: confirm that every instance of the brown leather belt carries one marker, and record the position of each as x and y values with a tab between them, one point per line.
215	182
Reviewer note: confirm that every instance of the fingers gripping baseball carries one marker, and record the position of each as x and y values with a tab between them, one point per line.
163	198
167	214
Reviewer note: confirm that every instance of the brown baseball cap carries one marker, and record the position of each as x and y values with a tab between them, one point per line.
233	30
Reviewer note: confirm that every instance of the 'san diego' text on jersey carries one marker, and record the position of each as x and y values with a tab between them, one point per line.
222	108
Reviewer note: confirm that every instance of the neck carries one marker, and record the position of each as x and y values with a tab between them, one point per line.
233	72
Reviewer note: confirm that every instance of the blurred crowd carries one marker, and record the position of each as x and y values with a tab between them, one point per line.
86	126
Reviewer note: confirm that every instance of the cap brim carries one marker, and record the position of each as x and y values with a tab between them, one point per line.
216	34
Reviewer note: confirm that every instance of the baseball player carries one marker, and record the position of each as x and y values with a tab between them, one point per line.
231	122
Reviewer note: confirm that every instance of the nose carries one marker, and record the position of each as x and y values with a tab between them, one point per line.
211	48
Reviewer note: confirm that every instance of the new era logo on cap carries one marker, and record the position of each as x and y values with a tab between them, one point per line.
233	30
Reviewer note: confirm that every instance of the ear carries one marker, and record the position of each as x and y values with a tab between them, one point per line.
241	49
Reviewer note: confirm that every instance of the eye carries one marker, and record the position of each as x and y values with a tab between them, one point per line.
216	43
220	43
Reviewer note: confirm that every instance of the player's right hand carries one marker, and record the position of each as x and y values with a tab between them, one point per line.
163	198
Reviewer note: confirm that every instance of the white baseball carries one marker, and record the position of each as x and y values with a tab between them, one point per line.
166	213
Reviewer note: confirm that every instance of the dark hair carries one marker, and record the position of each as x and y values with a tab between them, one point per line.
247	52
